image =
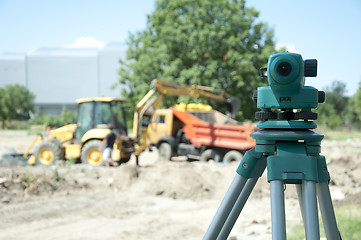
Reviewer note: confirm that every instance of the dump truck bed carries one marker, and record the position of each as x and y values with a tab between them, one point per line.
212	128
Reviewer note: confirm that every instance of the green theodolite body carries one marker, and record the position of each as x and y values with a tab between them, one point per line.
287	102
286	90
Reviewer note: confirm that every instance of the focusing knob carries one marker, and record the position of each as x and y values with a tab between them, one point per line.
254	96
306	115
310	67
262	115
321	96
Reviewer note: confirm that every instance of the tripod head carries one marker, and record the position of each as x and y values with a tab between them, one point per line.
287	102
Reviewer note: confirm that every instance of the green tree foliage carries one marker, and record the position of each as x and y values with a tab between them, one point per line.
334	111
216	43
354	108
64	118
16	103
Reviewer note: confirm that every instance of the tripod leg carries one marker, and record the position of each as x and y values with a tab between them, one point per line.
278	210
237	209
310	210
327	212
225	208
300	201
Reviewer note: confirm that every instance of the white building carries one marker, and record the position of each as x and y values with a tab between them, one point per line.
59	76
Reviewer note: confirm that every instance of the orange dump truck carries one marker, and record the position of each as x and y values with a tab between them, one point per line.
199	134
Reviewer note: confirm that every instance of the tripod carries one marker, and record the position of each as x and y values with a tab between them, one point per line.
292	156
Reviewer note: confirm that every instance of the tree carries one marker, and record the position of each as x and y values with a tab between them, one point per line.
333	112
354	113
16	102
216	43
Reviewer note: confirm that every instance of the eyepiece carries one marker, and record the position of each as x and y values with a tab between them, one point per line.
284	68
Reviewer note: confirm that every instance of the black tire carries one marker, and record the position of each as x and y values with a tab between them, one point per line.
210	155
90	153
46	153
59	145
124	160
164	151
233	156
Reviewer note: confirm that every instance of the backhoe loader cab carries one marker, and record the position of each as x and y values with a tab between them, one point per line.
97	113
83	139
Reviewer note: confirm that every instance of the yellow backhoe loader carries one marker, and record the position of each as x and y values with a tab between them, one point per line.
83	139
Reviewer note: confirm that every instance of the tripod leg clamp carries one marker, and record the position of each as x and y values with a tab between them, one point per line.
252	165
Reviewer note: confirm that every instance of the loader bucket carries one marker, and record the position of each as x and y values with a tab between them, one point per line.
13	160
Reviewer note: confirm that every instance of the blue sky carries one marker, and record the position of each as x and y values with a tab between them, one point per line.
326	30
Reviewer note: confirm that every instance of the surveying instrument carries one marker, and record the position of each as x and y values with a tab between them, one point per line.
289	149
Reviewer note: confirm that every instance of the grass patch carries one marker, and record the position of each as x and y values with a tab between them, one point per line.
348	221
35	129
339	134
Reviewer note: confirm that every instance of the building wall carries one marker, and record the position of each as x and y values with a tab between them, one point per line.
59	76
108	68
62	76
12	69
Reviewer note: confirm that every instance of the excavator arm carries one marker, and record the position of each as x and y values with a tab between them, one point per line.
160	88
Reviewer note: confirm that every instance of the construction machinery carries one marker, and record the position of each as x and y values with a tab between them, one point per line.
199	132
148	105
83	139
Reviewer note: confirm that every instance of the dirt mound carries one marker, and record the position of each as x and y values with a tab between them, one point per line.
184	180
174	179
177	180
344	164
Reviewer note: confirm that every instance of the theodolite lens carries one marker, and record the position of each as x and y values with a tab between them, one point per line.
284	68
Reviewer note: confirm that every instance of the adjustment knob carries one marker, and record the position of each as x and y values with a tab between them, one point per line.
286	115
306	115
254	96
310	68
262	115
321	96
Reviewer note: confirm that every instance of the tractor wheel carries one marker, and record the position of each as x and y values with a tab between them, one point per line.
90	154
164	151
210	155
59	145
233	156
46	153
124	160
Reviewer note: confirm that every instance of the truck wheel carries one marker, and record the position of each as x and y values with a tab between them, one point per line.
90	154
46	153
210	155
232	156
164	151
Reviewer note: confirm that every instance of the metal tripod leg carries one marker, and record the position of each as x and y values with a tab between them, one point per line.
310	210
300	201
327	212
237	209
225	208
250	169
326	208
308	204
278	210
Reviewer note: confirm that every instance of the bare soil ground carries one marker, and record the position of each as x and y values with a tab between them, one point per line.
157	200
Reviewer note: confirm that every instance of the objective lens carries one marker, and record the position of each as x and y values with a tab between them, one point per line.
284	68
